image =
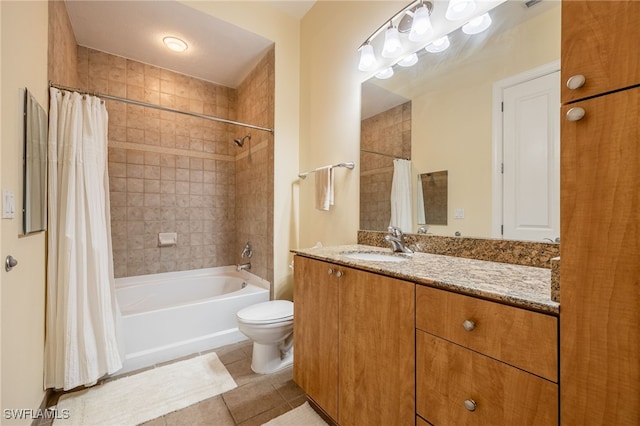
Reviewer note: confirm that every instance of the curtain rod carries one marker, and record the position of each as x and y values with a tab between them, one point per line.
161	108
384	155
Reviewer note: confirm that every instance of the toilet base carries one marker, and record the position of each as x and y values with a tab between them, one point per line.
268	359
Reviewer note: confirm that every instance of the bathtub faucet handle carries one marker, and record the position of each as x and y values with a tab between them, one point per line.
243	266
247	251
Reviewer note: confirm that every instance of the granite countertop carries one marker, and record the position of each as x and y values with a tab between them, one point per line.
523	286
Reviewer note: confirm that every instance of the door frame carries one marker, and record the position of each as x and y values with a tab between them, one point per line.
497	137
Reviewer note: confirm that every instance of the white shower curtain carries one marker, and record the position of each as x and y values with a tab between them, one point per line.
81	343
401	195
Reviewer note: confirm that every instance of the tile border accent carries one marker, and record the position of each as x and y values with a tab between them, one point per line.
172	151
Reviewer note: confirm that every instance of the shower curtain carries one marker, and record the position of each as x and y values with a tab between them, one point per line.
81	344
401	195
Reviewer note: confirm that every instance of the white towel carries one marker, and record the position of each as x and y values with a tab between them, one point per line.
401	195
324	188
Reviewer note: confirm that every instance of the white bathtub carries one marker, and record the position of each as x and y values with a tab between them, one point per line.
169	315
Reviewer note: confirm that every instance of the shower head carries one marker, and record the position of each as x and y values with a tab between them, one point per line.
240	141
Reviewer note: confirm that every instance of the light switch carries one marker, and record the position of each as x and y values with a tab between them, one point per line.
8	204
458	214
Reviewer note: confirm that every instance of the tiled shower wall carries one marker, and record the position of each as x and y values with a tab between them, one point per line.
383	137
172	173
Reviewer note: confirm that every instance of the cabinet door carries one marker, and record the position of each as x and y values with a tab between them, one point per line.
600	40
315	362
600	269
377	350
460	387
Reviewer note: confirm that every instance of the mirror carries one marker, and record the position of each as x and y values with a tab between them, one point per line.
34	207
450	95
433	196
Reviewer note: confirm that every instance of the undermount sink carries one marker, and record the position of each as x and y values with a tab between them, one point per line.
374	257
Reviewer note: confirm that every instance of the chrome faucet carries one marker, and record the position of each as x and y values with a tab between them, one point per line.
396	238
243	266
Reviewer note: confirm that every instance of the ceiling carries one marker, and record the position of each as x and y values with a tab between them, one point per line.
218	51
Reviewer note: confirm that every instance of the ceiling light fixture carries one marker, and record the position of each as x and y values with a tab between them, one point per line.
477	25
175	44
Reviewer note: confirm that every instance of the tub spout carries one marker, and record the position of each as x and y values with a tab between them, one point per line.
243	266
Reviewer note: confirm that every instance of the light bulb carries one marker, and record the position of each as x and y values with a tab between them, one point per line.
409	61
421	25
367	58
460	9
392	46
438	45
385	73
477	25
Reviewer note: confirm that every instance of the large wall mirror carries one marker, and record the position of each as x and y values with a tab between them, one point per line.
34	208
440	114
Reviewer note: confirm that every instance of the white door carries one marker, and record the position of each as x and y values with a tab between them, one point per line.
531	159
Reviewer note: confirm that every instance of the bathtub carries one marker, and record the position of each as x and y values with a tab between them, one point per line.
169	315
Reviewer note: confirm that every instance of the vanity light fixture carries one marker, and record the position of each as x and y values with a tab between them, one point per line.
477	25
421	26
392	46
175	44
367	58
460	9
439	45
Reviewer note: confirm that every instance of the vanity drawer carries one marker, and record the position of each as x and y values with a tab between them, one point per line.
522	338
457	386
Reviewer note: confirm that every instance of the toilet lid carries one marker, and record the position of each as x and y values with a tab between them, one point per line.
275	310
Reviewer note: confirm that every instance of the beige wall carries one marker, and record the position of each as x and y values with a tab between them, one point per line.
461	142
330	111
284	31
24	64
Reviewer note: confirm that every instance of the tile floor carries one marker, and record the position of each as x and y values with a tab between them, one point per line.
257	399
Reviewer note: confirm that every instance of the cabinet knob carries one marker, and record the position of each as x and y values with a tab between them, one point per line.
468	325
339	274
470	404
576	81
330	271
575	114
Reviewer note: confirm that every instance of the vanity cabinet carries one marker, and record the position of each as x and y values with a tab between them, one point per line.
481	363
356	329
600	41
600	250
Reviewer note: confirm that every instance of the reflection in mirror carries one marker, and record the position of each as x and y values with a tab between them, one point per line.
452	105
35	166
432	198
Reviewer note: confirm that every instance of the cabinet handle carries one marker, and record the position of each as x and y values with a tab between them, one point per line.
470	404
576	81
468	325
575	114
330	271
339	274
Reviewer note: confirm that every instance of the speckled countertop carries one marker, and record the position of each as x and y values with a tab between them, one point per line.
524	286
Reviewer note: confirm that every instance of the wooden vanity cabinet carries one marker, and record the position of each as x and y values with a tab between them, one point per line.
600	181
600	41
354	343
483	363
315	331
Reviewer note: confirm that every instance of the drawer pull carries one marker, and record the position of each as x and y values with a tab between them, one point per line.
576	81
470	404
339	274
330	271
468	325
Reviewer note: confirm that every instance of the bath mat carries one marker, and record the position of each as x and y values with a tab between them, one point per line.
144	396
303	415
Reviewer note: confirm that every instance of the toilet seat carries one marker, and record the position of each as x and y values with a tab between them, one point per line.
270	312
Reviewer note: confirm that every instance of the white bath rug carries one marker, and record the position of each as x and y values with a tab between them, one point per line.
303	415
144	396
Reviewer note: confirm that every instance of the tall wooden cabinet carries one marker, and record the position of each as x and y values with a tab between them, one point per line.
600	185
354	343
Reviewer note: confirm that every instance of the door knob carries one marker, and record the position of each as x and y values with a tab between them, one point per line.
9	263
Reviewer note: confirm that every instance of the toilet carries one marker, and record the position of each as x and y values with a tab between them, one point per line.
270	326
